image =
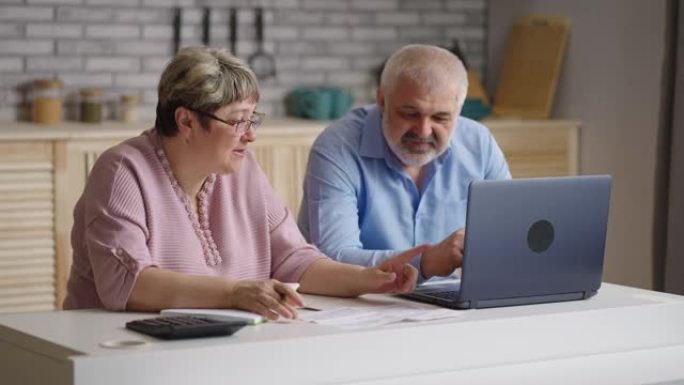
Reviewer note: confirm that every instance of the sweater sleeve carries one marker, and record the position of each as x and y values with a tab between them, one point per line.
291	254
116	232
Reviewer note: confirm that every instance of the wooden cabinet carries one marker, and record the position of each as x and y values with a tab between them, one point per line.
43	171
538	147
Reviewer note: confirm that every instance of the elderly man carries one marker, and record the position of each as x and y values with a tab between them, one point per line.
389	176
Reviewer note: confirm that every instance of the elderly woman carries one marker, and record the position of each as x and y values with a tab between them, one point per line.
182	216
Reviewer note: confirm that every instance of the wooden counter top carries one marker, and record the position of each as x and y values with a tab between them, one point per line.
10	130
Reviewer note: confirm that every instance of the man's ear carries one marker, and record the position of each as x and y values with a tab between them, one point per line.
380	99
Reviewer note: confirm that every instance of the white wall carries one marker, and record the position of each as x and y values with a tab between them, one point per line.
611	81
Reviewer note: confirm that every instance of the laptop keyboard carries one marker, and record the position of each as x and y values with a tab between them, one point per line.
450	294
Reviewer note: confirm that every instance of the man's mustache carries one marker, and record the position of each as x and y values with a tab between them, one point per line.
413	137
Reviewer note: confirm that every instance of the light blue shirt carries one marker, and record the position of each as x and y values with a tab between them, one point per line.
360	206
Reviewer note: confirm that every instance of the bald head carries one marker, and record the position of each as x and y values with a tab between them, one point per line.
428	65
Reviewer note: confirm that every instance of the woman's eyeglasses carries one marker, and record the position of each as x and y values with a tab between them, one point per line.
241	126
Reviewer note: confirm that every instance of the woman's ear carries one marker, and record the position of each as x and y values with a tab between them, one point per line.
183	122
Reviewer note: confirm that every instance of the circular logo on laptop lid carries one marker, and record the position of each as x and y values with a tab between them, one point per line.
540	236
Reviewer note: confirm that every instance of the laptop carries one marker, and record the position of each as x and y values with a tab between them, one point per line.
528	241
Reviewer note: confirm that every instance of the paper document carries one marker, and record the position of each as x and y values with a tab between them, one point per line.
220	314
223	314
368	317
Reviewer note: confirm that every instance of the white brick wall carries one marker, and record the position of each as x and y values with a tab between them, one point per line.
26	47
155	64
129	3
325	63
376	33
471	5
11	64
323	33
136	81
55	30
398	18
84	14
375	5
77	80
113	64
114	32
443	19
324	5
57	2
422	5
54	63
124	45
11	29
16	13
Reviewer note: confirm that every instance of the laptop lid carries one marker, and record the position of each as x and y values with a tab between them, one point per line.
529	238
532	240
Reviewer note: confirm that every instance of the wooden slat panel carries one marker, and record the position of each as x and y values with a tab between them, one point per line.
26	196
27	261
28	271
23	281
27	231
26	166
20	308
45	299
27	243
17	234
26	205
28	224
19	291
8	215
26	152
26	186
26	176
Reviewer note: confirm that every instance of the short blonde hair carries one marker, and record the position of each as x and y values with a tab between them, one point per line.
203	79
427	64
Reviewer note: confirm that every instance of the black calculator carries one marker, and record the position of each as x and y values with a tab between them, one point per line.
172	328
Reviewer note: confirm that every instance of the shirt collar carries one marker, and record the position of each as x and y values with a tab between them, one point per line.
372	139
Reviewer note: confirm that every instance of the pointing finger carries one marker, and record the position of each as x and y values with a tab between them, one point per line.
409	254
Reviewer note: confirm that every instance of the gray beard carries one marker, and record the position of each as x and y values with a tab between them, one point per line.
407	158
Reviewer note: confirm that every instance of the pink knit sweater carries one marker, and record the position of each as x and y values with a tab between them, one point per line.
132	215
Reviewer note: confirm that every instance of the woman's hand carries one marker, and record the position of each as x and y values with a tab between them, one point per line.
393	275
268	297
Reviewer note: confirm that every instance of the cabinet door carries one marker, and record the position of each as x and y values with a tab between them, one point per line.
27	231
283	157
74	160
536	148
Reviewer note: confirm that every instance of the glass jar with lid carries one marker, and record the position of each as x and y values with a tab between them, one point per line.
91	105
46	106
128	108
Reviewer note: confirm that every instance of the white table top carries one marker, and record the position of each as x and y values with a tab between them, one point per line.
619	323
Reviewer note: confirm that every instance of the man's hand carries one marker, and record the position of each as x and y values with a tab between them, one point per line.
445	257
393	275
